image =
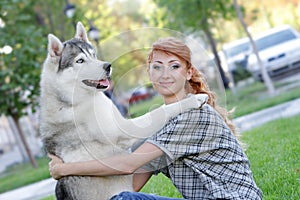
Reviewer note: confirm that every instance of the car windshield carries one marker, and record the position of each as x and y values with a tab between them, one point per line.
236	50
274	39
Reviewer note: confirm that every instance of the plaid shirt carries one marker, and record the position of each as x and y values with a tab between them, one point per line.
203	158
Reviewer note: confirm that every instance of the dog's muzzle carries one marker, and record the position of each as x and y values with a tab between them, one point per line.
102	83
99	84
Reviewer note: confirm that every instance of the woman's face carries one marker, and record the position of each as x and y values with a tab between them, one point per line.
168	73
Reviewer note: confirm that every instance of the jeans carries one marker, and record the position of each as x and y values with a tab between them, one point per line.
139	196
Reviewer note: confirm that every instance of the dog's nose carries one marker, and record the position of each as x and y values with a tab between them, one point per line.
107	67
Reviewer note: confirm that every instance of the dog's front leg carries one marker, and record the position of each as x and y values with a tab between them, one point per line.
148	124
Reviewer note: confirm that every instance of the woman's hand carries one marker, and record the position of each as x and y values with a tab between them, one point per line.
54	166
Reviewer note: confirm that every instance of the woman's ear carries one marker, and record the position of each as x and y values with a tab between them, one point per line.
190	73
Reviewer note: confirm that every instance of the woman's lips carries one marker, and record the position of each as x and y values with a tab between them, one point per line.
166	84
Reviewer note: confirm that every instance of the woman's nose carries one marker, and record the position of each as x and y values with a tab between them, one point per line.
165	72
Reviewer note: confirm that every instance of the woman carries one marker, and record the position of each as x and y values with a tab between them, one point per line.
197	149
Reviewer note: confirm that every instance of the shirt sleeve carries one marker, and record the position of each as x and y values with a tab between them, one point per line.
190	133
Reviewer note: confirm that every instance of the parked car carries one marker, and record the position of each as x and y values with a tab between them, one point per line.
279	50
236	53
139	95
236	57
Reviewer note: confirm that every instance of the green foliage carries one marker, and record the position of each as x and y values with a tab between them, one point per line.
196	14
20	70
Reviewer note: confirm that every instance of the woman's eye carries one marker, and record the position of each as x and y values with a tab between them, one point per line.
156	67
80	60
175	66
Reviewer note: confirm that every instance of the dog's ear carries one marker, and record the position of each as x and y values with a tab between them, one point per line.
81	33
55	46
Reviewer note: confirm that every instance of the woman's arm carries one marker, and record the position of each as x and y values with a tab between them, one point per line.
140	179
115	165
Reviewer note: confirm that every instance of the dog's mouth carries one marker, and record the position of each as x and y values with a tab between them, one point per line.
98	84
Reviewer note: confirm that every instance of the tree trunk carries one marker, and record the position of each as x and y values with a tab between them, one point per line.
23	139
265	75
16	135
217	58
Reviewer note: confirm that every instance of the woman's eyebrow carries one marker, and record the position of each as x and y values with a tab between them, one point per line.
173	61
160	62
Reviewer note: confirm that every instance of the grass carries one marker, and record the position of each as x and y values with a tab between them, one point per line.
273	149
161	185
143	107
255	98
22	174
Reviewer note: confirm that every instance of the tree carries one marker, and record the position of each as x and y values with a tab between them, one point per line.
196	15
266	77
20	69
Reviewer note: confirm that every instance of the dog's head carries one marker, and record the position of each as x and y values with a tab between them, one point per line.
75	62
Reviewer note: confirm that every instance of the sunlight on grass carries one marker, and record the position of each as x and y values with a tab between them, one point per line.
162	186
273	150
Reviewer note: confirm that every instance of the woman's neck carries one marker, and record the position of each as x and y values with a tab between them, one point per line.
174	98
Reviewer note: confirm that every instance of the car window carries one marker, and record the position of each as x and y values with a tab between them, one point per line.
233	51
274	39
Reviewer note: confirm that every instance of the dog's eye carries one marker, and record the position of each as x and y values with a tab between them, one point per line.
80	60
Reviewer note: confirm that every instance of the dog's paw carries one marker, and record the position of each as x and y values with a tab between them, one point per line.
201	99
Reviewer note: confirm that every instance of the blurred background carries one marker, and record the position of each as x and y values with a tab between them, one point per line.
249	51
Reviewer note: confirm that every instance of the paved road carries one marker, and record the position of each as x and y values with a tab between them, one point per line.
256	119
7	159
34	191
46	188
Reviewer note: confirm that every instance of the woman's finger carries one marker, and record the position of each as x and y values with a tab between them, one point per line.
55	159
51	156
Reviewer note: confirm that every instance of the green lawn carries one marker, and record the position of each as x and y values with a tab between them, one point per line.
274	152
23	174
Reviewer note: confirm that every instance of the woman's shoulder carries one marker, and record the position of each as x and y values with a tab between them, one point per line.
206	109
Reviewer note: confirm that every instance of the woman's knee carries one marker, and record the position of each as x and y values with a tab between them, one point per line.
122	196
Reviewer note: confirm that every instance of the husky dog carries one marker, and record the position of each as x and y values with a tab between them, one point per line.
79	123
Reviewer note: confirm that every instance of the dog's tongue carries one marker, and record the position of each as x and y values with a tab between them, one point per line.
104	82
